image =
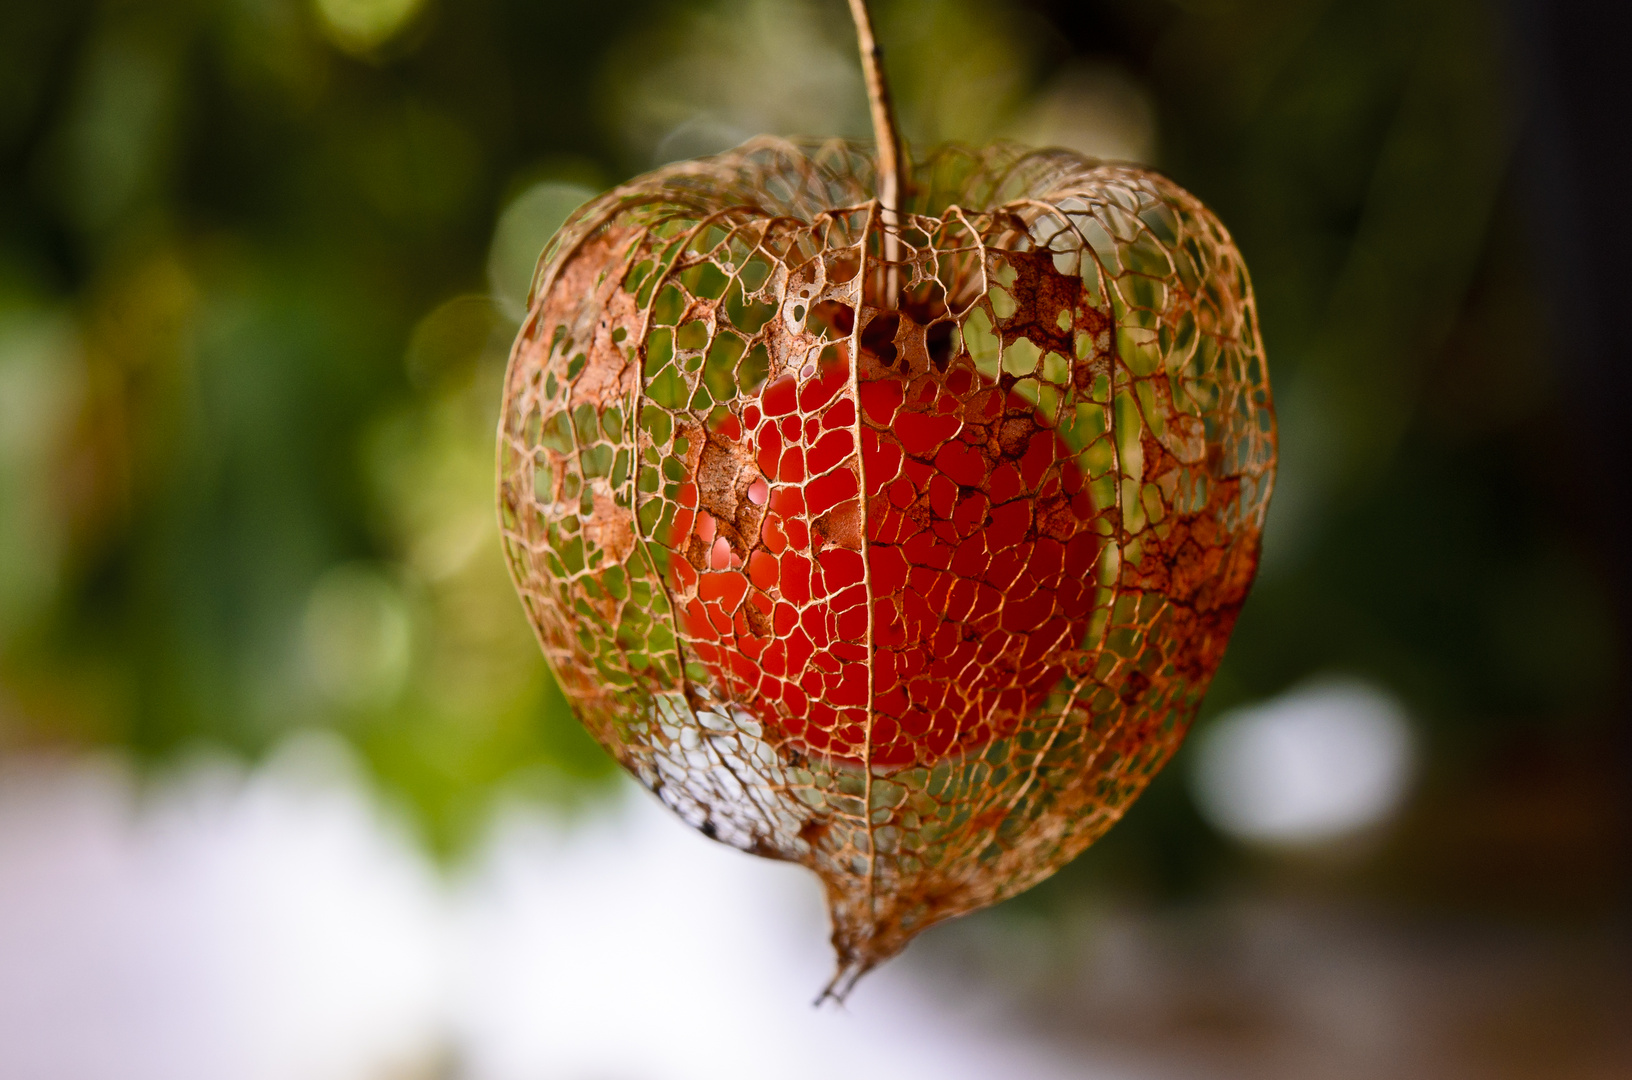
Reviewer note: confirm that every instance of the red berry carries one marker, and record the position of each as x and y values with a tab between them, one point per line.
972	602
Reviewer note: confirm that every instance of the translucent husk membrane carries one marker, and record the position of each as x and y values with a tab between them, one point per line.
913	573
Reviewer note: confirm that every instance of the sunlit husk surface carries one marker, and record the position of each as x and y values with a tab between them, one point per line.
913	572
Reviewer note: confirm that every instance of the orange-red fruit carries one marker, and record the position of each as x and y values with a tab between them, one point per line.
967	604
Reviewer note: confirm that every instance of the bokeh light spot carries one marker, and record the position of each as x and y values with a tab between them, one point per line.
523	229
1321	762
356	636
359	26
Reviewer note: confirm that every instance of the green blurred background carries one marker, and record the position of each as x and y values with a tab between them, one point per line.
260	262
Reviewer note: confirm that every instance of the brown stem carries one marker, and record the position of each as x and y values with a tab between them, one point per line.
892	157
892	164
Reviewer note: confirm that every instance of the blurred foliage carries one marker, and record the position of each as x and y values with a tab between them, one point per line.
260	261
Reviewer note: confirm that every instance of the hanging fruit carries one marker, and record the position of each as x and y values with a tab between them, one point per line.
890	519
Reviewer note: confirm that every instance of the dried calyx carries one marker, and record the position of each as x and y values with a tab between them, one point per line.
889	520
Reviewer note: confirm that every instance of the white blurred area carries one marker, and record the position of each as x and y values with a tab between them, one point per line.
278	926
253	928
1324	761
